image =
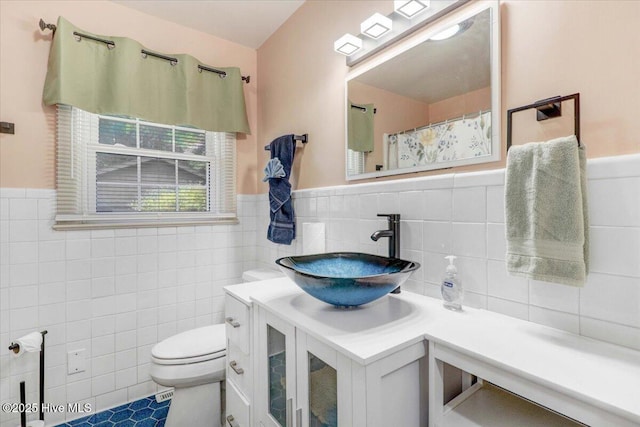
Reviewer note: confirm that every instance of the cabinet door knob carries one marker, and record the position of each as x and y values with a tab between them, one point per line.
236	369
232	322
232	421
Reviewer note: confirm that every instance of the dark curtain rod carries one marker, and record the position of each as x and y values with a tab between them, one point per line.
111	45
455	119
359	107
222	74
172	61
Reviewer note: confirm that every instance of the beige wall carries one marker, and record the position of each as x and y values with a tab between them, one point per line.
27	158
304	89
548	48
457	106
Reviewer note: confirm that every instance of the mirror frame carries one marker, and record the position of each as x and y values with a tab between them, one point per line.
454	17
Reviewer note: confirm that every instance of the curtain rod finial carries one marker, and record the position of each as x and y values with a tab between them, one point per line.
43	25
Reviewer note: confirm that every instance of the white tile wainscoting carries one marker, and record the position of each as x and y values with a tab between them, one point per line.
463	214
114	293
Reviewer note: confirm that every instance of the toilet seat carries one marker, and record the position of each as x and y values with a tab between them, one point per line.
191	358
193	346
188	360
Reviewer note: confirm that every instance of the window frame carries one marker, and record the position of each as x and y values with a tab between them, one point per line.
78	143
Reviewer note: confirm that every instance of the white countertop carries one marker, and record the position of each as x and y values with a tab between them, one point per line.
598	373
364	334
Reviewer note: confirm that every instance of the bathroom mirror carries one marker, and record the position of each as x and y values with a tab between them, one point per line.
429	102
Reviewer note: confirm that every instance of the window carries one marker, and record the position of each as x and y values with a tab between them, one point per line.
355	162
116	170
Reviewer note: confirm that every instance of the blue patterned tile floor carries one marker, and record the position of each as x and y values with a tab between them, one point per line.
141	413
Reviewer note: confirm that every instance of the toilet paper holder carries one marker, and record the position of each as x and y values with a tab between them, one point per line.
15	347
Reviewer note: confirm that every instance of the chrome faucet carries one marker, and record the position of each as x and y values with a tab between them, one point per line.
393	233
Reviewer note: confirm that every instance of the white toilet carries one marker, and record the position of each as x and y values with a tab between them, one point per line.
261	274
193	362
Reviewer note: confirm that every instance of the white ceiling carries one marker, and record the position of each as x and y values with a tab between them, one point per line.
247	22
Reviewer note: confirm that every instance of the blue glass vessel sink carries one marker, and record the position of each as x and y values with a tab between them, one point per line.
346	279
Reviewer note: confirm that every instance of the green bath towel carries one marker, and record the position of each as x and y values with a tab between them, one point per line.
547	224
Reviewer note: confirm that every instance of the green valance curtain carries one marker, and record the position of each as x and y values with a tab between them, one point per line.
89	75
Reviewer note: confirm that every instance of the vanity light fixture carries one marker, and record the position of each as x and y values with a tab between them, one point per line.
379	31
410	8
347	44
376	26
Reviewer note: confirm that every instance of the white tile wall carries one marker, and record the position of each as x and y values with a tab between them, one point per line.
463	214
114	293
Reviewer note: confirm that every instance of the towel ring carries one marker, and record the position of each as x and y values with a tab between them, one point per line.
546	103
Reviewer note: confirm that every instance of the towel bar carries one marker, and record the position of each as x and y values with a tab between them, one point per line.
548	108
302	138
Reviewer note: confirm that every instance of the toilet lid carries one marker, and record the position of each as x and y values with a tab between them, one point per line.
193	343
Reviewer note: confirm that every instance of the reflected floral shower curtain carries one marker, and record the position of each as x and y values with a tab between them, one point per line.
453	140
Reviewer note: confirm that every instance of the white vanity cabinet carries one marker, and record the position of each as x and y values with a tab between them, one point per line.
239	368
304	382
304	363
481	404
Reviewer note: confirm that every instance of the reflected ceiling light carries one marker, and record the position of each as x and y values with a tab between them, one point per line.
452	31
410	8
347	44
445	34
376	25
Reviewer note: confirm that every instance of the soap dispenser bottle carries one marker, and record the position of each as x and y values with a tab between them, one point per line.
452	292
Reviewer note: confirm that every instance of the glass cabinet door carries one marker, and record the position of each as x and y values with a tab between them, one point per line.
277	373
277	360
323	384
323	393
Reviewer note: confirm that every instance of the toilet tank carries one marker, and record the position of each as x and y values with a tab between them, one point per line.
261	274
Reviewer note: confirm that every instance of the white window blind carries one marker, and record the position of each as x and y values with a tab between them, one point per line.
355	162
124	171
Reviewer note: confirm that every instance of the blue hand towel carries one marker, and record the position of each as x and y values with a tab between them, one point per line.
282	228
274	169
